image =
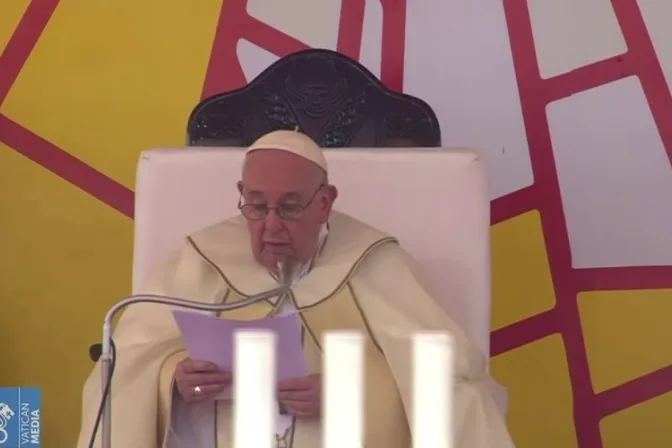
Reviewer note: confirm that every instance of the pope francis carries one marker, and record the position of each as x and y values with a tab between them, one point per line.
353	277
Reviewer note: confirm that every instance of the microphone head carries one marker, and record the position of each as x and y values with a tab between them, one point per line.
95	352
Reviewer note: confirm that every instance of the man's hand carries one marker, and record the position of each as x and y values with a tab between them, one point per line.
200	380
301	397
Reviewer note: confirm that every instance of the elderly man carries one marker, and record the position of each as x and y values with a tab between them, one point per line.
354	277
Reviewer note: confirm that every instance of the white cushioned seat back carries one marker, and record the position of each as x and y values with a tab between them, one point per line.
434	200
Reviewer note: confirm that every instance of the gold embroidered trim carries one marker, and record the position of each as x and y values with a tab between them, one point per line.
367	325
344	281
350	273
167	406
215	267
224	301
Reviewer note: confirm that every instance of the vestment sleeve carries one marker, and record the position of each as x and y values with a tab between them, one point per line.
395	306
146	339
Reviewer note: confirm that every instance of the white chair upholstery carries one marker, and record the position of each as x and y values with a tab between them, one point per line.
434	200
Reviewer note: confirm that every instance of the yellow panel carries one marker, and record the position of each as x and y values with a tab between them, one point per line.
12	11
540	394
521	279
65	259
623	331
644	425
109	79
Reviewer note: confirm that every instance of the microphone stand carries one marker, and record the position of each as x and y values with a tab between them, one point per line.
287	278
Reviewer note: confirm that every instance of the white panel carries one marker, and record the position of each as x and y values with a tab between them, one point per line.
569	34
315	23
343	367
452	251
433	374
615	177
253	59
372	37
658	17
458	58
254	389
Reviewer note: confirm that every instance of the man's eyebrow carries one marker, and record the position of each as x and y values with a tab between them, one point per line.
288	195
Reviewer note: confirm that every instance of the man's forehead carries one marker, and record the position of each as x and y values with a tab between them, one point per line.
265	192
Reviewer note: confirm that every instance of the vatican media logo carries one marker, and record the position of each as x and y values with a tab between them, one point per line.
20	417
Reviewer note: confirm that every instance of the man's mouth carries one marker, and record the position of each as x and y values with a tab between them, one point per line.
278	248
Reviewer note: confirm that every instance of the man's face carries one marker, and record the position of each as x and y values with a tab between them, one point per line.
283	181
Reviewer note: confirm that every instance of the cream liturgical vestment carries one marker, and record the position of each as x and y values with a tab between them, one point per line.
362	280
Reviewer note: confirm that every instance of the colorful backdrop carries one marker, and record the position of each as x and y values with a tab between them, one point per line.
568	100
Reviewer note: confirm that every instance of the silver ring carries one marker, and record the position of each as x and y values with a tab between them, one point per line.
197	390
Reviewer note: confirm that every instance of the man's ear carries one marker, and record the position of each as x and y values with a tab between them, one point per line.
329	197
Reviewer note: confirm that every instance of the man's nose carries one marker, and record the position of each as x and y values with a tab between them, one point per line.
273	221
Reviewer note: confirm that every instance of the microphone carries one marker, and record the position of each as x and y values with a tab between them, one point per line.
95	351
288	273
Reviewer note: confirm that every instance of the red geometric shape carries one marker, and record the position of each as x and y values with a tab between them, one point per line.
225	73
623	278
224	70
535	94
523	332
634	392
68	167
394	44
647	67
34	147
22	42
513	204
351	28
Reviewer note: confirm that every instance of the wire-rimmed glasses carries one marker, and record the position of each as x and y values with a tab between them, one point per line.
285	210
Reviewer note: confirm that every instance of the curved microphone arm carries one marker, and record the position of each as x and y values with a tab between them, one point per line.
182	303
106	355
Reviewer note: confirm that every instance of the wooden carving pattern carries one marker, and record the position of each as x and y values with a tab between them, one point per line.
324	94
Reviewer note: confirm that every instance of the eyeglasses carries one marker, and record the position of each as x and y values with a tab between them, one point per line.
285	211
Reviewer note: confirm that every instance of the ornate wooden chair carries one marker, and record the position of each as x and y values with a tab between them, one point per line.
326	95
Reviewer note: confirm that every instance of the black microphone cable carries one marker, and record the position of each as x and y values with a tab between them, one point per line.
94	353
